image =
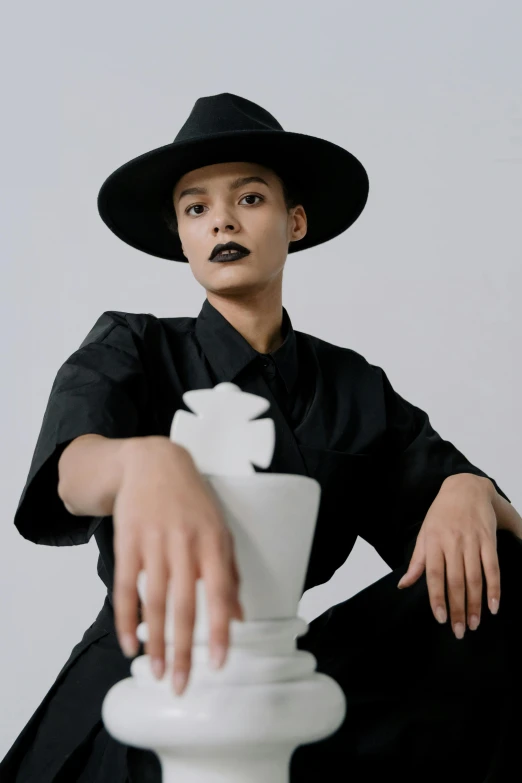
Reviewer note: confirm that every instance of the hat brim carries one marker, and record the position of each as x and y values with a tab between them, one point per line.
332	184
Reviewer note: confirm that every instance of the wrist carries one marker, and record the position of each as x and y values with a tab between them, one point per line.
481	484
134	451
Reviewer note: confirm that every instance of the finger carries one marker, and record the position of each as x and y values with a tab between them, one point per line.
220	589
473	571
157	578
183	572
417	563
456	581
489	556
435	575
414	572
127	564
238	609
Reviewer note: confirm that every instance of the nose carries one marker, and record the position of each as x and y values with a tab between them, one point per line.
224	220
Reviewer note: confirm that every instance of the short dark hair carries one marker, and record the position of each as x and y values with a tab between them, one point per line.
290	195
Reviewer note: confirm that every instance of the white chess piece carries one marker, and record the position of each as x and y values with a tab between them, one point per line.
239	724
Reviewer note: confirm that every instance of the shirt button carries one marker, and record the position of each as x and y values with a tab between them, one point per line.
268	364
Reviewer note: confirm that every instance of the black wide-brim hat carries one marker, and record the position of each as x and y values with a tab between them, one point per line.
330	183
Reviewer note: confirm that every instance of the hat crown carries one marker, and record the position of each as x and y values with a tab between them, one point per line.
224	113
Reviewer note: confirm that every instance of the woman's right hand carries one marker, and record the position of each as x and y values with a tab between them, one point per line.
167	523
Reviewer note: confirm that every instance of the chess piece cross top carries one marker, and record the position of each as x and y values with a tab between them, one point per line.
221	435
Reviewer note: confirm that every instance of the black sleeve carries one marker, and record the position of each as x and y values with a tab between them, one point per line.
415	462
99	389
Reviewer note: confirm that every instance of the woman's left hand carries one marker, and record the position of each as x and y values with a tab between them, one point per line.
456	541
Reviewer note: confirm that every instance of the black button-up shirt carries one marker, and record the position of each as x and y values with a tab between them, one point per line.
337	418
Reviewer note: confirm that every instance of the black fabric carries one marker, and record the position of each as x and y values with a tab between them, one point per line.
421	704
379	461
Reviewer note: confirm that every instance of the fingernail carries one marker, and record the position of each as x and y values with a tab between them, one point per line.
441	614
180	679
473	623
494	606
217	656
459	630
157	668
128	643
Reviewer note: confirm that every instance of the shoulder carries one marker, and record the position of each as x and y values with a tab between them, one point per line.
339	360
114	325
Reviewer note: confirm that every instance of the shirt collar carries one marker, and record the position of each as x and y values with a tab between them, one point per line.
228	352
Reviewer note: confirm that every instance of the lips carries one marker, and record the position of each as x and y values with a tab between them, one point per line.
233	255
233	247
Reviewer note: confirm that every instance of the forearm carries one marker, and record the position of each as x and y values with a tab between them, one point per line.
90	471
508	517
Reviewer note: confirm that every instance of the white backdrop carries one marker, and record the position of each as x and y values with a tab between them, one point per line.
425	284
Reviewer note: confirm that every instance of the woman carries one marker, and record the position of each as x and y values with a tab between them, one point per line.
424	698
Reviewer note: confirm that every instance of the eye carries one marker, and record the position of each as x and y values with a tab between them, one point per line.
253	195
249	195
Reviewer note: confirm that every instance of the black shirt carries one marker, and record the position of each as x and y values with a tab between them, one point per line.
337	418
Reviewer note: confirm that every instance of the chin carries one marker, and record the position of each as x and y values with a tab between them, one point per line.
220	276
234	284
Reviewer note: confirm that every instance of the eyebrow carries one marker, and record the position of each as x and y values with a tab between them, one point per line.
236	183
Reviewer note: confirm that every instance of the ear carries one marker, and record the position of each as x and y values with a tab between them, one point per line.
301	225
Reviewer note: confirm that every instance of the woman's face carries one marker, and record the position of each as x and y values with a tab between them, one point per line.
227	208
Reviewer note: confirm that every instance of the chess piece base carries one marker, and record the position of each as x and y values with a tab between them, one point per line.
239	724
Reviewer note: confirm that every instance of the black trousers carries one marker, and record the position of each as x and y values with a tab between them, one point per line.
422	705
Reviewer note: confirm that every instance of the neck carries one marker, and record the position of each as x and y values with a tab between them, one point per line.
258	318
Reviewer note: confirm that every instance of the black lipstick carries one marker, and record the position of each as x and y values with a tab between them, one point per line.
235	252
229	256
